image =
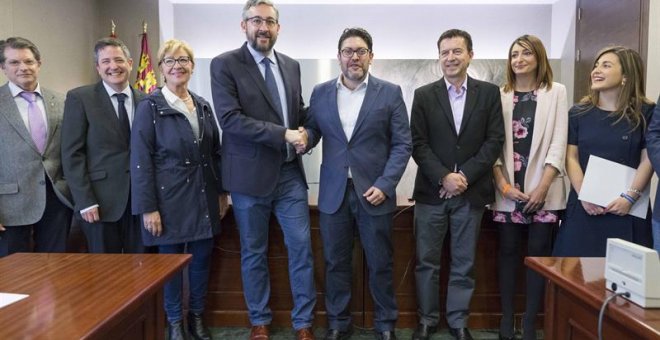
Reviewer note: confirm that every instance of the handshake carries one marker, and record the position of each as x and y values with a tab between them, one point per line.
297	138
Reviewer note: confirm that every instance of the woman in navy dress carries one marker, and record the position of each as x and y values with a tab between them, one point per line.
529	175
610	123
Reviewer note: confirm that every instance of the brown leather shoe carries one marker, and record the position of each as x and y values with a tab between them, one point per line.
259	333
305	334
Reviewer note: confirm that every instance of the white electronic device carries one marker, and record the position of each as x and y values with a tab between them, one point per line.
634	269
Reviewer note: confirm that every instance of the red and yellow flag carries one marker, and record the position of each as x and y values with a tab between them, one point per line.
146	78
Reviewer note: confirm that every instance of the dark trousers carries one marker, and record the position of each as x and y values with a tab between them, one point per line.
122	236
539	243
432	221
49	234
198	278
338	234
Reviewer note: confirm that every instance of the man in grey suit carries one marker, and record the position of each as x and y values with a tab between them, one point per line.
34	197
95	152
366	147
458	131
257	98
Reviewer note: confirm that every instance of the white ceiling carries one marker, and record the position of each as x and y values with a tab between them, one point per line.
381	2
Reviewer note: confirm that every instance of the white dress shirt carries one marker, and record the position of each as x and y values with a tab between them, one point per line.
349	103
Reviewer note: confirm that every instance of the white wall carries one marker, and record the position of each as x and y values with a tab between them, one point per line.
63	32
563	42
399	31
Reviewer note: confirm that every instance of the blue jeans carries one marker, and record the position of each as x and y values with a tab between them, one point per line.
656	235
338	234
198	278
289	204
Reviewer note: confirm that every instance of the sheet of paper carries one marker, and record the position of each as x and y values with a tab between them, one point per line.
605	180
8	298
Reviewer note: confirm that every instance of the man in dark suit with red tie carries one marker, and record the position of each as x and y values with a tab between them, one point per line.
95	152
258	102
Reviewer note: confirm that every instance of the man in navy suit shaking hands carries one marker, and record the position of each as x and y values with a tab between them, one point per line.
366	147
257	98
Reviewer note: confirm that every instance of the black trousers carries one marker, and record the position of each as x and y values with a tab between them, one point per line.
539	243
49	234
122	236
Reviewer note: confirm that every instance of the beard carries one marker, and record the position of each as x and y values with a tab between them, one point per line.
254	41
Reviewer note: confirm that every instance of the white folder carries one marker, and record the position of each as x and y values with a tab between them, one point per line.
605	180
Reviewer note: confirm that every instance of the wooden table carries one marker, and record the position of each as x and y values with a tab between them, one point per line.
574	295
90	296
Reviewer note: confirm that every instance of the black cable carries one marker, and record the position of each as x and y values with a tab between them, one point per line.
602	309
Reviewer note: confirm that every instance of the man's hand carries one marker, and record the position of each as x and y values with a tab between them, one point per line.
297	138
224	205
2	228
91	215
454	184
152	223
374	196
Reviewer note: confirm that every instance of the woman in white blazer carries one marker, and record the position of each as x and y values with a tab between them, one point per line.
529	175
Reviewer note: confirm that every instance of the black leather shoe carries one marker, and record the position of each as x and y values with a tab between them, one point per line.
335	334
423	332
500	337
175	331
387	335
196	327
460	333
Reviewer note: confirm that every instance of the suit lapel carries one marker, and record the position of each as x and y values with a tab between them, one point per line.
373	88
10	112
51	116
285	72
443	100
252	69
334	111
470	102
107	110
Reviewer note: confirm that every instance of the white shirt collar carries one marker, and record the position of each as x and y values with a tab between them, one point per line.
127	91
171	98
450	86
363	84
258	56
15	90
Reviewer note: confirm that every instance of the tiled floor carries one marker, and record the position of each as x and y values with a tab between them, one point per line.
239	333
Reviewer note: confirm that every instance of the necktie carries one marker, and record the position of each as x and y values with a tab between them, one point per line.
272	87
123	115
38	129
275	96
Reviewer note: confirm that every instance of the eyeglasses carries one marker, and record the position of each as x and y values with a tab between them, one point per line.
183	61
348	53
258	21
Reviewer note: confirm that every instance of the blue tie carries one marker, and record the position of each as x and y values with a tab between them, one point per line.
275	96
272	87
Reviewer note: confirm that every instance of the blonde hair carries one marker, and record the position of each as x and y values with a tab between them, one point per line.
632	95
173	45
543	69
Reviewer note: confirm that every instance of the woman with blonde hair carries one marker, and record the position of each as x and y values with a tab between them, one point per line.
611	123
175	182
529	173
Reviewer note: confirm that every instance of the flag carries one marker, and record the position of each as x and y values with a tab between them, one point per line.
146	78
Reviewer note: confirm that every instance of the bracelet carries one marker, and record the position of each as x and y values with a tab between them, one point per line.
506	188
635	191
628	198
